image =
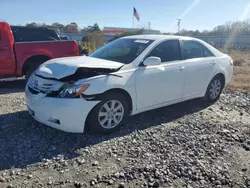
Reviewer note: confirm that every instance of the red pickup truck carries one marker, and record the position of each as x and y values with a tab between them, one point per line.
21	58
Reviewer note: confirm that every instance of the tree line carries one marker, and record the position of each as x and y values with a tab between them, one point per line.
93	37
239	27
229	28
68	28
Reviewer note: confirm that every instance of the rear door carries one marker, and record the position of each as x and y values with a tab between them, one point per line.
200	63
7	60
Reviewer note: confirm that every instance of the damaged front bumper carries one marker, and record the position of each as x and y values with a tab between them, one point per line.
65	114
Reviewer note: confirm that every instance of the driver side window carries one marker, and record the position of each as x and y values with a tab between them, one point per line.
168	51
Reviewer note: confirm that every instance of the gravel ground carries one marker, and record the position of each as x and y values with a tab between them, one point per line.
186	145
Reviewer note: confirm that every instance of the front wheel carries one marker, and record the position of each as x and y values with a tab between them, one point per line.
108	115
214	89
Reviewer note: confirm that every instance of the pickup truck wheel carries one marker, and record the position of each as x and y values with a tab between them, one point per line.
29	72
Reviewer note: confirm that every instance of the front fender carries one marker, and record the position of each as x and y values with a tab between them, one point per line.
102	84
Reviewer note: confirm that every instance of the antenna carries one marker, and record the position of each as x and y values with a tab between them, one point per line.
179	25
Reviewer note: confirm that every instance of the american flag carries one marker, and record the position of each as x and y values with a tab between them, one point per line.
136	14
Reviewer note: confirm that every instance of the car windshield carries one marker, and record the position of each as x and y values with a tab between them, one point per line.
122	50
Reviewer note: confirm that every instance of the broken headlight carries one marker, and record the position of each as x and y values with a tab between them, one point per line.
72	91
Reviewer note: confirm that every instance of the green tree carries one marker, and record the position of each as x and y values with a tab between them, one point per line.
57	27
95	27
33	24
127	33
71	28
91	28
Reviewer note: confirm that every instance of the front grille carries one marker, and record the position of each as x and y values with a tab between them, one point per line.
46	86
34	92
42	87
38	84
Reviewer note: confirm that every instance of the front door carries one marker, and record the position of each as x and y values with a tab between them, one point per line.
7	61
162	83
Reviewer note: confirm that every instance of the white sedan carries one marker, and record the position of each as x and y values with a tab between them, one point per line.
125	77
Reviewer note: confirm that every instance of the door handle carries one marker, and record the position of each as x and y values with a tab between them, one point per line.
213	62
181	68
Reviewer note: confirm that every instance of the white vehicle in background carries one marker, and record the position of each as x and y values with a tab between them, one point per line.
125	77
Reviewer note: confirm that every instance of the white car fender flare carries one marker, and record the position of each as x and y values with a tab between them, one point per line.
98	96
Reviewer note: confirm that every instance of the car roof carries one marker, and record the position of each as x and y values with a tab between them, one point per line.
158	37
162	37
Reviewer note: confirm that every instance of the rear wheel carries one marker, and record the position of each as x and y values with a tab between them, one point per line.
214	89
29	73
108	115
32	67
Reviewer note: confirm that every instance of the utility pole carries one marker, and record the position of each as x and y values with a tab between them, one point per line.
179	25
149	25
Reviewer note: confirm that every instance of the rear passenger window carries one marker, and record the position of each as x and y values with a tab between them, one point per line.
192	49
167	51
26	34
207	52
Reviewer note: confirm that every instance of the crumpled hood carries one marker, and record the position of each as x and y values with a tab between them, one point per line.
63	67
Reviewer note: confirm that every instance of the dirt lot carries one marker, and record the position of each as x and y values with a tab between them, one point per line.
186	145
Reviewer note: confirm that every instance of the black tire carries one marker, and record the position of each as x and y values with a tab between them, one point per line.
93	124
212	98
30	70
29	73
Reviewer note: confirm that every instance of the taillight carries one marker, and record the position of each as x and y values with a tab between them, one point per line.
76	50
231	62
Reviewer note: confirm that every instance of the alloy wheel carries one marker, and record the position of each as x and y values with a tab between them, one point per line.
111	114
215	89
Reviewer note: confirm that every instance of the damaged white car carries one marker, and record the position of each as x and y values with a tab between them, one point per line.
125	77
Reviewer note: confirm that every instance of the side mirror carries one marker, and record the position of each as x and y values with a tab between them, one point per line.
152	61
